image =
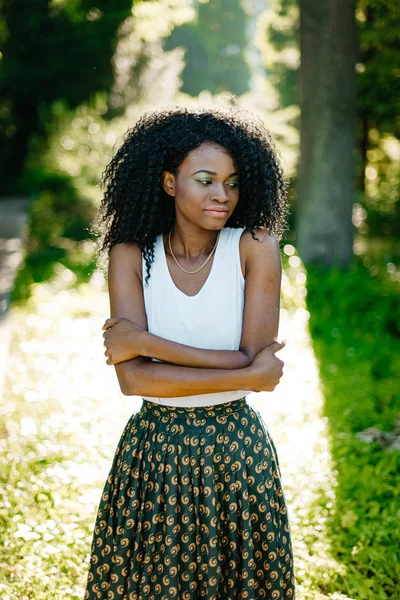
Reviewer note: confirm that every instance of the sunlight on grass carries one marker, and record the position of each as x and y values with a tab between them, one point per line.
61	419
63	415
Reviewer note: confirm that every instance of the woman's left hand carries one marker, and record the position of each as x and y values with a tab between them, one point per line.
123	339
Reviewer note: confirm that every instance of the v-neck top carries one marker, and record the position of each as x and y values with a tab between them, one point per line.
211	319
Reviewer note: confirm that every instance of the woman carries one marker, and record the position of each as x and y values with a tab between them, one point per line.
193	507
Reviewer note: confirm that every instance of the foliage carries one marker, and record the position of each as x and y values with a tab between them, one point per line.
354	321
214	46
382	179
55	51
58	233
143	72
379	57
355	326
281	49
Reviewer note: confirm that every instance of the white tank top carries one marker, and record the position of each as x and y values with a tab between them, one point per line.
211	319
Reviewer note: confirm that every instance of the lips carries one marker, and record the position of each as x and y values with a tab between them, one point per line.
216	213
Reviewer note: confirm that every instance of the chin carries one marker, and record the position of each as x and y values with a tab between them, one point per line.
215	227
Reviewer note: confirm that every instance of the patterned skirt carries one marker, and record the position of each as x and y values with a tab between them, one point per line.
193	507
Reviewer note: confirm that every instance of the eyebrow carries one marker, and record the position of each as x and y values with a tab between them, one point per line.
211	172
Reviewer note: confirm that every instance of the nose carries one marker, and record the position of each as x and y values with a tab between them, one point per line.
220	193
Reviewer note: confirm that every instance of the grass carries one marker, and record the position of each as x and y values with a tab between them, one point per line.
63	415
59	408
355	327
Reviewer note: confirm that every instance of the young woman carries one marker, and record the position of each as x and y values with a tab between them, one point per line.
194	208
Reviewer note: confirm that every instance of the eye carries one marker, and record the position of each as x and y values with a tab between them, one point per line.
209	181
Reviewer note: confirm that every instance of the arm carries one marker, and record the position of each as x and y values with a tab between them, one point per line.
125	340
263	273
262	293
159	379
188	356
142	376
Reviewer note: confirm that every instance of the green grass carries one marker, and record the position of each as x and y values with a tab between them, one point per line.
355	328
60	419
62	416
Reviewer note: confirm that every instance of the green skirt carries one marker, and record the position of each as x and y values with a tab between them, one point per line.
193	507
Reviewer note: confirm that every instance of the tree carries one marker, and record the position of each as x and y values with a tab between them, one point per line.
214	45
378	94
327	130
50	51
378	67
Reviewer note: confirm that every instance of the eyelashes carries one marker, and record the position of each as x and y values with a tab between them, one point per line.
208	181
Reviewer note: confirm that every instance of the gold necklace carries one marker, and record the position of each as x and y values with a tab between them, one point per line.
204	263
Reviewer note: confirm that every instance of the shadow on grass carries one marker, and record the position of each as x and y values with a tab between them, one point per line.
355	328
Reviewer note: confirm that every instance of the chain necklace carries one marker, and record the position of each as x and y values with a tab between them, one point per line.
204	263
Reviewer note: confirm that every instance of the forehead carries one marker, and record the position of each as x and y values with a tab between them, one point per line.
208	156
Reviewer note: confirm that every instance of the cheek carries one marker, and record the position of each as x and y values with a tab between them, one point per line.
189	192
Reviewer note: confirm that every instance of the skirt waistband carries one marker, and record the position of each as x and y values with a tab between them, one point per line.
192	412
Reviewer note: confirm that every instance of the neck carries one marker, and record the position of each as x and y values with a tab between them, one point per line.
192	245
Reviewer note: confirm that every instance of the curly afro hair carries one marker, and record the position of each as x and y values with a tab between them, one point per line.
135	207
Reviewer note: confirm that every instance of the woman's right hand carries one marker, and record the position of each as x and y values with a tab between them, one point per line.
266	368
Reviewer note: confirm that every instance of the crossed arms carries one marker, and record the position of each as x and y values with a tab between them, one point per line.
186	370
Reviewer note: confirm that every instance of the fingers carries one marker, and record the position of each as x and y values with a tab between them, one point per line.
109	360
107	331
110	322
275	346
107	325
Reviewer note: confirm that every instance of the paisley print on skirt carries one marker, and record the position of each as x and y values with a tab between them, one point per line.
193	507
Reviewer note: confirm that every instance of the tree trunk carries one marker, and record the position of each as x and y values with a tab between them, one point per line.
328	44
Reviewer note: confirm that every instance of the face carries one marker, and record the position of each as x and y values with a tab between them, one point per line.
205	187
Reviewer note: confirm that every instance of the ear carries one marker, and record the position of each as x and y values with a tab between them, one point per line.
168	182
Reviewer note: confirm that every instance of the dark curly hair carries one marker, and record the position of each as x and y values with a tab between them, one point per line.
135	207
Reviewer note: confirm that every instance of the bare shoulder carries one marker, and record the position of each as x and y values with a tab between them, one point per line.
262	235
126	257
261	249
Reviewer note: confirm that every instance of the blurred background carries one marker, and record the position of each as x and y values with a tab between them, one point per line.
325	79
